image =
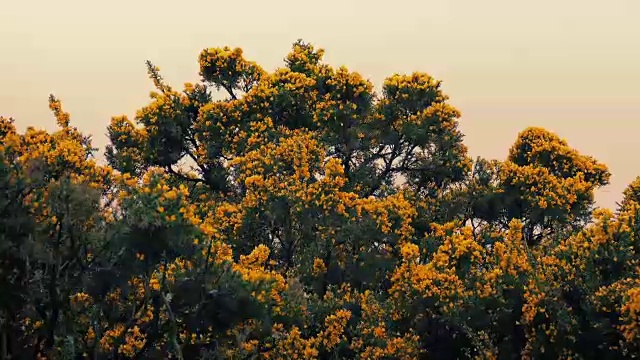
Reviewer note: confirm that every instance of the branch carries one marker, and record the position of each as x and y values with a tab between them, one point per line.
174	326
230	91
202	168
182	176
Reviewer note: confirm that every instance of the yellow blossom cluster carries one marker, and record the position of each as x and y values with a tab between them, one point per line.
227	68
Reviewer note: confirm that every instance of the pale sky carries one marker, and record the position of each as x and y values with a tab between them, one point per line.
571	66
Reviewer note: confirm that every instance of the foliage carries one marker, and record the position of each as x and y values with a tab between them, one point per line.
304	215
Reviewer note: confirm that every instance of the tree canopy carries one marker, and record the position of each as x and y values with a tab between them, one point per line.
299	214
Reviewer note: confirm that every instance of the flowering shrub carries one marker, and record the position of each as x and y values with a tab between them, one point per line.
305	216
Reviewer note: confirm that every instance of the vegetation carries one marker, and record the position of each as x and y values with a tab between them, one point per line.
305	216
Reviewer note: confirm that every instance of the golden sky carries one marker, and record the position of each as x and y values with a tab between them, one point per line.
571	66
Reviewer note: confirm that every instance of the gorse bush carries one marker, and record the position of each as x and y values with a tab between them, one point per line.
305	216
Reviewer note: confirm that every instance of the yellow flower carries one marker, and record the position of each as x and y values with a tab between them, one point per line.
318	267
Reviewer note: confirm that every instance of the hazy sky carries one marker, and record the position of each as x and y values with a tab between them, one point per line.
571	66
